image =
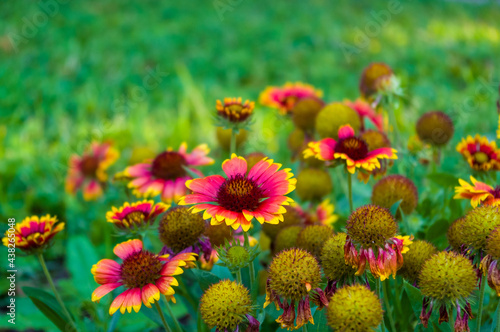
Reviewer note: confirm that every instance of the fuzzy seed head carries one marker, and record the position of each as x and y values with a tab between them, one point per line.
305	111
218	234
435	128
313	184
393	188
332	258
493	244
333	116
312	238
454	235
287	238
478	225
179	228
371	226
237	255
414	259
375	139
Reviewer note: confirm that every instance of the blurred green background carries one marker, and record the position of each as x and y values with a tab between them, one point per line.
146	74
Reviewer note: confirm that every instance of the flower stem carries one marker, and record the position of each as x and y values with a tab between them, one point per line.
349	187
388	307
238	276
377	288
452	320
232	146
54	290
481	299
251	269
169	309
304	327
165	325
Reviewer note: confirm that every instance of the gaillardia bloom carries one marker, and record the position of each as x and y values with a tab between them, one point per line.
481	154
293	274
478	193
371	240
233	110
447	280
489	264
166	174
226	305
33	233
375	140
420	251
351	149
240	197
393	188
143	274
284	98
136	216
89	170
354	308
435	128
365	110
374	78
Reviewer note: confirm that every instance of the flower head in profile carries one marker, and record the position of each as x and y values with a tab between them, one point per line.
478	193
167	173
242	196
365	111
489	264
375	140
375	77
233	110
481	154
33	233
372	242
88	172
135	216
351	149
284	98
143	274
435	128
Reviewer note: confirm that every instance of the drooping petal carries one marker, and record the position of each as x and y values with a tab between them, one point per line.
103	290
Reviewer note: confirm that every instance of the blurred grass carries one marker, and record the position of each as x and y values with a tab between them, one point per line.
85	75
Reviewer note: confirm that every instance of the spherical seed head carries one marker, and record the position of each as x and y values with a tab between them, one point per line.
354	308
371	226
493	244
454	235
312	238
313	184
478	225
291	218
179	228
224	137
287	238
296	140
333	116
292	272
218	234
414	259
305	111
237	255
332	258
253	158
393	188
375	139
372	77
447	277
435	128
225	304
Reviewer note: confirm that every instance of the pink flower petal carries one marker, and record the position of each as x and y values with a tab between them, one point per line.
125	249
234	166
345	132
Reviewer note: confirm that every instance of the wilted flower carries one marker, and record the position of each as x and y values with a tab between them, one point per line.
240	197
284	98
335	115
167	173
143	274
313	238
478	193
394	188
435	128
136	216
489	265
419	252
33	233
481	154
365	110
313	184
89	170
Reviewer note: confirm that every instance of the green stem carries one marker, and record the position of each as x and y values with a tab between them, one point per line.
377	289
170	312
481	299
251	269
165	325
54	290
238	276
232	146
349	187
304	327
388	306
452	320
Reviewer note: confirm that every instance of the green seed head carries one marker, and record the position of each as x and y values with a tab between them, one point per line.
225	304
333	116
435	128
393	188
292	272
296	140
237	255
372	78
354	308
218	234
332	258
313	184
447	277
312	238
179	228
371	226
478	225
414	259
305	111
287	238
454	235
493	244
375	139
290	218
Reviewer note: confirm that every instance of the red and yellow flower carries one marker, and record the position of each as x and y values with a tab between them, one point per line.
136	215
322	215
478	193
89	170
166	174
33	233
364	110
143	274
242	196
233	110
350	148
480	153
284	98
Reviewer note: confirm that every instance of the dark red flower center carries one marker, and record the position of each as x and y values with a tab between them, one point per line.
235	113
481	157
89	165
289	101
353	147
141	269
496	192
239	193
169	166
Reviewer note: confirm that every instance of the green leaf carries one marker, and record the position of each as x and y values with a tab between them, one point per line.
415	297
445	180
437	229
48	305
320	322
394	208
81	256
205	278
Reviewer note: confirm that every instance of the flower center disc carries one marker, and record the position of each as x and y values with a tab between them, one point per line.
496	192
238	194
141	269
481	157
89	166
169	166
354	147
135	217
